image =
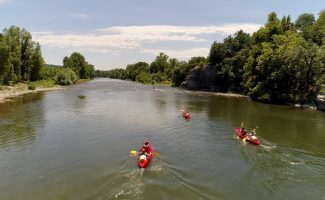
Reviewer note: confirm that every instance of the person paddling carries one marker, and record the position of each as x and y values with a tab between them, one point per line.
146	147
242	131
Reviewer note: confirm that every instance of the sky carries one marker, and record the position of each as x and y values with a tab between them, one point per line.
114	33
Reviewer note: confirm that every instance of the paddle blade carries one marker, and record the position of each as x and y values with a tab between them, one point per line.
156	153
133	152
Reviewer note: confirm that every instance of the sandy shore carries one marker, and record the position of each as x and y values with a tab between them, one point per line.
7	92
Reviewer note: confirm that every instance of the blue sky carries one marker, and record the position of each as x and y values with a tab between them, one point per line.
114	33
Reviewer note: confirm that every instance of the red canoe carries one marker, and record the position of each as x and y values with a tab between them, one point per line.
145	163
186	115
250	138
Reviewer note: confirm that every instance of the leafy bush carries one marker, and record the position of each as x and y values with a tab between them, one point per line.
159	77
144	78
66	76
49	73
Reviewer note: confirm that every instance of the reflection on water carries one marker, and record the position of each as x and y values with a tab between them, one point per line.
18	124
75	144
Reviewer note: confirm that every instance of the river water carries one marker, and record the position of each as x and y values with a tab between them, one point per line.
75	144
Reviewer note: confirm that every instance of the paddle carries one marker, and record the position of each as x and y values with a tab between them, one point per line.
134	153
254	130
156	153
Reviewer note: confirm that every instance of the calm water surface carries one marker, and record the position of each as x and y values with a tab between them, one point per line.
75	144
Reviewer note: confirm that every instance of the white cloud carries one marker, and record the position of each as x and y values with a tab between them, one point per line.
180	54
133	37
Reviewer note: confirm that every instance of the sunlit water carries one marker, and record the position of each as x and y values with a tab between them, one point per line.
75	144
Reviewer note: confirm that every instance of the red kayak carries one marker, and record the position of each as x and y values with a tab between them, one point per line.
249	137
143	160
186	115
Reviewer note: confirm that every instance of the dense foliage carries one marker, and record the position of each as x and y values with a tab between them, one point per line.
162	70
283	61
79	65
21	60
20	57
66	76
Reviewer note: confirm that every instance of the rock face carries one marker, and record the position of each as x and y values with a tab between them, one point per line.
201	78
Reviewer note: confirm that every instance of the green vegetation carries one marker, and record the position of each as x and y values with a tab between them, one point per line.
42	83
66	76
79	65
162	71
21	61
283	61
20	56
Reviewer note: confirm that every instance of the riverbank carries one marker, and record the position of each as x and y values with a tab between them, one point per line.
198	92
8	92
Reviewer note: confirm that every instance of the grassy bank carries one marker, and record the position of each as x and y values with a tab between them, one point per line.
42	84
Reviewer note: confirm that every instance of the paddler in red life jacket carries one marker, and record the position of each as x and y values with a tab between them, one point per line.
146	147
142	156
186	113
143	153
242	131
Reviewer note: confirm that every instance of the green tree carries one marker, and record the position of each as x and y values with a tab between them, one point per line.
27	48
4	59
12	39
133	70
79	65
179	73
160	64
37	64
288	55
217	53
304	20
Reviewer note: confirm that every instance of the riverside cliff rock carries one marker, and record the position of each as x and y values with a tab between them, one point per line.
201	78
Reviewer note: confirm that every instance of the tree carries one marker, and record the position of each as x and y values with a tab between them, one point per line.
288	55
27	48
12	39
160	64
179	73
217	53
133	70
4	59
229	58
79	65
304	20
37	64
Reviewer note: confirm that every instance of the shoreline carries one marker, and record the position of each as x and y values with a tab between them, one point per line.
8	92
218	94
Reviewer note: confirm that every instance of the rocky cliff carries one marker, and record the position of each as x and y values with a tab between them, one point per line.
201	78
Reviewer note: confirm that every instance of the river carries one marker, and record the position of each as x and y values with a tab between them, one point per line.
75	144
